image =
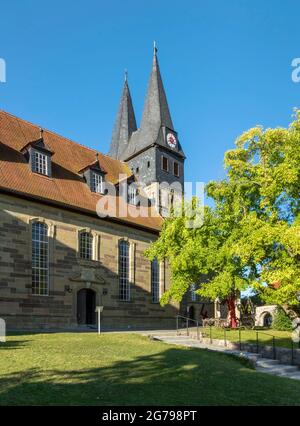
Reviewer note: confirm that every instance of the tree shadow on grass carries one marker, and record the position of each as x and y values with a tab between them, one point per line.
170	377
13	344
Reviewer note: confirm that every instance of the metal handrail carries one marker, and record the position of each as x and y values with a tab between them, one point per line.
187	324
267	334
239	329
190	319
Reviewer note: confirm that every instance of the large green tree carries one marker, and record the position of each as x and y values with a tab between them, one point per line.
251	237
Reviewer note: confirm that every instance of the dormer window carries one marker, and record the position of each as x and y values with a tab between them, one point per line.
94	174
40	163
38	154
97	183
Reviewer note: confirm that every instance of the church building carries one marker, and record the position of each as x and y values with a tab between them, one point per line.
60	257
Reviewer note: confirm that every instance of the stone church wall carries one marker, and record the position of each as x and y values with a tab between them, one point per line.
69	273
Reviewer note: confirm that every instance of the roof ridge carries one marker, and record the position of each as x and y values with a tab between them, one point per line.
59	135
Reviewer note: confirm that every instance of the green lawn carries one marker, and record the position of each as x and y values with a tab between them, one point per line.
282	338
129	369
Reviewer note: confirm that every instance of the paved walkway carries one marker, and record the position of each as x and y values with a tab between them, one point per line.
263	365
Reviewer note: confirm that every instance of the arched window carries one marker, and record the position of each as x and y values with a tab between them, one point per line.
40	259
155	281
86	245
124	285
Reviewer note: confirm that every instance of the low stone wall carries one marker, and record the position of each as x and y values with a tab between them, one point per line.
283	355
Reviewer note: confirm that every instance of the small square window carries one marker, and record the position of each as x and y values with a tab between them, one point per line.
176	169
165	163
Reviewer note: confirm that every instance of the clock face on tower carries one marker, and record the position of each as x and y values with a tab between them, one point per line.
171	140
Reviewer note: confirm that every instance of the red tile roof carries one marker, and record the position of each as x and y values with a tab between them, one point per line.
66	186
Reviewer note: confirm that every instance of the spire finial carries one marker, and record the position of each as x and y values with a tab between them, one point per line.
97	156
126	75
41	132
154	47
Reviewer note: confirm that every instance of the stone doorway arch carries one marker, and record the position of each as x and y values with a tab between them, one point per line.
267	319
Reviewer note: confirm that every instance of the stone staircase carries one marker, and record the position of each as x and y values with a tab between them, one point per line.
272	366
263	365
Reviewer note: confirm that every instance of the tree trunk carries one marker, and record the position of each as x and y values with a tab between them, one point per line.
232	313
292	311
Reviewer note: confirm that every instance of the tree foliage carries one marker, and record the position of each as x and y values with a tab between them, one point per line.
281	321
251	237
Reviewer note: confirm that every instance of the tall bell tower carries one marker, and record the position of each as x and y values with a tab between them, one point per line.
153	151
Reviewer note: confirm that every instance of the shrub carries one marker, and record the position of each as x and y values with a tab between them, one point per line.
281	320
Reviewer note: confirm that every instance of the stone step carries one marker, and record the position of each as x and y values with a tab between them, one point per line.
295	376
267	363
283	369
280	373
252	356
174	340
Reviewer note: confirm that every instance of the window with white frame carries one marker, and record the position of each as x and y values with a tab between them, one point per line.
40	259
124	284
97	183
40	163
86	245
132	192
155	281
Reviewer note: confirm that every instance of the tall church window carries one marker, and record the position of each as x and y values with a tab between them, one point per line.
86	245
155	281
40	259
164	163
124	284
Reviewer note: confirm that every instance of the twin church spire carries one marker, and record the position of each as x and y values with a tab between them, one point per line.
125	124
126	138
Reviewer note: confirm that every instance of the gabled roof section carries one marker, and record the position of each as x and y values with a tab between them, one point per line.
38	144
125	124
66	187
95	165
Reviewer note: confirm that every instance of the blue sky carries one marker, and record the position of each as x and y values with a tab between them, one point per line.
226	67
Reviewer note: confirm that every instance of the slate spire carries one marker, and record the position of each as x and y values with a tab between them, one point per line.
125	124
156	110
156	114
